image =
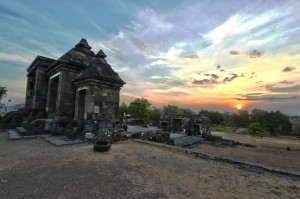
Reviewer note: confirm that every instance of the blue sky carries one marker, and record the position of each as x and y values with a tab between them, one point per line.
217	55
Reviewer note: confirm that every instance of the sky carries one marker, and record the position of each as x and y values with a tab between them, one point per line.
220	55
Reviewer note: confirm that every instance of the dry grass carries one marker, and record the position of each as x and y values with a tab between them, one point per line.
270	151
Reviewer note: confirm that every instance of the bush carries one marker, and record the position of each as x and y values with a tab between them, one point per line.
255	127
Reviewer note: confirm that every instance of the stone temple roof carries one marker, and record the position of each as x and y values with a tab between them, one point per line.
99	69
81	54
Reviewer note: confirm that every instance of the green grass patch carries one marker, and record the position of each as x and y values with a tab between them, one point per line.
293	188
223	129
246	175
278	193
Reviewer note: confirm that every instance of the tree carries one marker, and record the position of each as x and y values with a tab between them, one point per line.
216	118
278	122
154	116
259	116
204	112
140	109
254	127
243	118
233	120
172	109
123	108
3	93
187	111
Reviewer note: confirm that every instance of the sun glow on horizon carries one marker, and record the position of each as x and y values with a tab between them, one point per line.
239	106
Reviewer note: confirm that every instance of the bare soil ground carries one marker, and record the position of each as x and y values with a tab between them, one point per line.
270	151
36	169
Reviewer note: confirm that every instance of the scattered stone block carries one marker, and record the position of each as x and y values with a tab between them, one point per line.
14	135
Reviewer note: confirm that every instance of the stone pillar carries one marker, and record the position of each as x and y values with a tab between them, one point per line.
52	96
29	92
40	90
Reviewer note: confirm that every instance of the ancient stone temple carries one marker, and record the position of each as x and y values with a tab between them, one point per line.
80	85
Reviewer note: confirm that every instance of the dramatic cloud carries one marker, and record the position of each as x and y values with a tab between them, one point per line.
159	47
229	79
288	69
205	81
214	78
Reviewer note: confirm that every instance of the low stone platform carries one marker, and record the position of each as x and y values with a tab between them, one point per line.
62	140
134	129
186	141
14	134
21	130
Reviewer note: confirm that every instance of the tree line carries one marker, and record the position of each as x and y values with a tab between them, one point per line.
256	121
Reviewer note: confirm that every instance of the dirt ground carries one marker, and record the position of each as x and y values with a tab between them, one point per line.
33	168
270	151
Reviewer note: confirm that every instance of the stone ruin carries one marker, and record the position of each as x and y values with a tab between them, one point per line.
77	92
189	124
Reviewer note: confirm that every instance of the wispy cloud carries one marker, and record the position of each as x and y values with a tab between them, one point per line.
288	69
286	82
251	54
15	57
268	97
288	89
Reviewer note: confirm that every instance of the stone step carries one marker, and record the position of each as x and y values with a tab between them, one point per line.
13	135
21	130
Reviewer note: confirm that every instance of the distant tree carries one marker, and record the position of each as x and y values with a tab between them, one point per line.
226	116
243	118
155	115
278	122
187	111
204	112
259	116
296	126
140	109
123	108
172	109
216	118
3	93
233	120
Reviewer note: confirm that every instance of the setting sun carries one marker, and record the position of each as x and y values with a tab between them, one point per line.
239	106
